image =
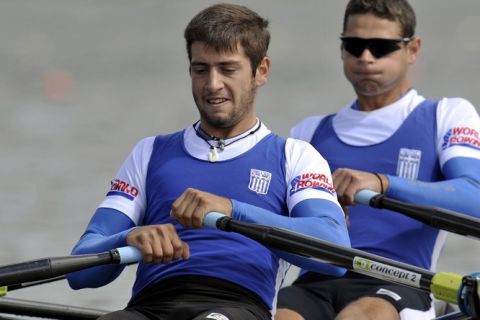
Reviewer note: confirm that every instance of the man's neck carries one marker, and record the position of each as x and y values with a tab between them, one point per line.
227	133
371	103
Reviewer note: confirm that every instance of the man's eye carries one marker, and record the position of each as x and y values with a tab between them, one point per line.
198	70
228	70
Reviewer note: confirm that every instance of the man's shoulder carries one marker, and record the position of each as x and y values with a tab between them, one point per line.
170	134
147	143
305	129
298	148
310	121
455	109
455	102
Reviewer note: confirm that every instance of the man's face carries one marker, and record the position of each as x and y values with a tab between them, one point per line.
370	75
224	88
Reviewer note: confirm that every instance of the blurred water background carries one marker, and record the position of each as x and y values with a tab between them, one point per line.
82	81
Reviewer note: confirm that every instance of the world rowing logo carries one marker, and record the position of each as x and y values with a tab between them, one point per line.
461	136
123	189
316	181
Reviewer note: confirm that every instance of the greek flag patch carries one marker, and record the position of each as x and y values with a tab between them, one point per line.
409	163
259	181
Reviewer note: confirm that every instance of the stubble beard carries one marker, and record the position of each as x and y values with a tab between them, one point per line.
367	88
234	116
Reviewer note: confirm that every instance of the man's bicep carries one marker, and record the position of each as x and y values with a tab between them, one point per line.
308	175
319	208
127	190
108	221
458	126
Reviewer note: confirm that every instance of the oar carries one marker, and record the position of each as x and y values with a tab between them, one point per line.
47	310
444	286
457	315
48	268
439	218
5	289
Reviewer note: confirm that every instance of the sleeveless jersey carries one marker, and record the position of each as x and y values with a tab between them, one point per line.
394	235
215	253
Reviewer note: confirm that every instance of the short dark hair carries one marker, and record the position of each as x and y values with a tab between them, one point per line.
394	10
224	26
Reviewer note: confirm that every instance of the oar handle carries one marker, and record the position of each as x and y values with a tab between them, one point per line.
364	196
129	254
211	218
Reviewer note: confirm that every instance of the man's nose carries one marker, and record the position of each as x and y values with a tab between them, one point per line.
214	81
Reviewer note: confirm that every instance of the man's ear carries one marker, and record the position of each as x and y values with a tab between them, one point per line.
413	48
263	71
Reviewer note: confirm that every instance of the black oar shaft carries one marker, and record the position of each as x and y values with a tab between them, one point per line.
33	283
50	267
47	310
440	218
352	259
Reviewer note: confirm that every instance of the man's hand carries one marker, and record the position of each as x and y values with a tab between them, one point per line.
347	182
158	243
192	206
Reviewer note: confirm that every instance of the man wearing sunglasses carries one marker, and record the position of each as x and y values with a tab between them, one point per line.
390	140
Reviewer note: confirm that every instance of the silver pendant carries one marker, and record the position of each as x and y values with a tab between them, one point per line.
213	154
221	144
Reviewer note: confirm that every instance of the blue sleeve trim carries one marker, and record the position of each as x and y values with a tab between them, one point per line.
317	218
107	230
459	192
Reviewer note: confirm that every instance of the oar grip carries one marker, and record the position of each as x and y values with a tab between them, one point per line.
364	196
211	218
129	255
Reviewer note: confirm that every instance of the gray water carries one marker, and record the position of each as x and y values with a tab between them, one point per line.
82	81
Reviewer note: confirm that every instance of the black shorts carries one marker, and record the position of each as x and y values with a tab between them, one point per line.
193	298
316	296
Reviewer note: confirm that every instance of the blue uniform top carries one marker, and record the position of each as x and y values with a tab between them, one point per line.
394	235
270	180
430	152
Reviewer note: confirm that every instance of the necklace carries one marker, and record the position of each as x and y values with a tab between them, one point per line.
213	153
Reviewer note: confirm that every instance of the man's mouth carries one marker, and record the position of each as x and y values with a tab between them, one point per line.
216	100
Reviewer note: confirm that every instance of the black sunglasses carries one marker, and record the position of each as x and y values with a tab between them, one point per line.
377	46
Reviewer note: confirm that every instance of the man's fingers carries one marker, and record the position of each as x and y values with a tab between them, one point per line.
178	206
197	217
349	195
147	251
342	186
177	249
158	243
185	251
184	207
192	206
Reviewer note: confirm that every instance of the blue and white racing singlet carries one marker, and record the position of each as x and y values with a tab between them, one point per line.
263	170
228	253
383	232
412	139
